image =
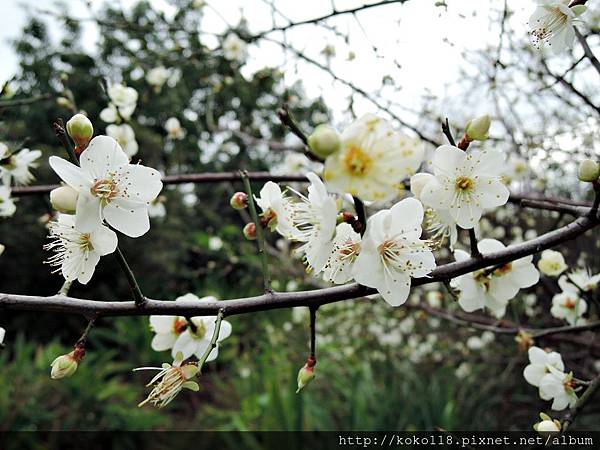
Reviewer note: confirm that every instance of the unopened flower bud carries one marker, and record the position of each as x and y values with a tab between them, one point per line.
64	199
547	425
306	373
81	130
589	170
418	182
324	141
66	365
239	200
250	231
478	129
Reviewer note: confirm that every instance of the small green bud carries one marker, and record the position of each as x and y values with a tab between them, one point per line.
324	141
306	374
239	200
589	170
250	231
64	199
64	366
478	129
81	130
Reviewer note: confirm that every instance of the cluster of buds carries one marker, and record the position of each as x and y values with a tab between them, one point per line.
239	201
306	373
66	365
476	130
324	141
81	130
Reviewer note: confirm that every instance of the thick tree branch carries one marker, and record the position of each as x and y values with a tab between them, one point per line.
280	300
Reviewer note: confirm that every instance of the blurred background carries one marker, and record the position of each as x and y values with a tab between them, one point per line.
413	62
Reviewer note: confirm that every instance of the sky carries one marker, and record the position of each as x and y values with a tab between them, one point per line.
425	40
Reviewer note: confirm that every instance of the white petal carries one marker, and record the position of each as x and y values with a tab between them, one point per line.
143	183
104	240
132	221
447	159
70	174
162	324
103	155
89	213
396	288
87	267
185	344
534	373
163	341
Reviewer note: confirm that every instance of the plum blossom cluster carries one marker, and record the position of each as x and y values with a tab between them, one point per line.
102	194
552	24
15	169
546	372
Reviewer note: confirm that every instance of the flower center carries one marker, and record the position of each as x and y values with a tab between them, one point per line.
464	184
357	162
106	190
85	243
570	303
179	326
503	270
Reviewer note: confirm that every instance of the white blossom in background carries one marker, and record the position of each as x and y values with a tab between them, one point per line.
173	379
125	136
558	387
552	24
296	162
76	253
18	167
7	206
234	48
465	183
480	342
345	250
156	208
123	101
372	161
2	334
174	129
392	251
2	248
314	220
110	188
492	289
157	77
195	340
569	306
552	263
517	168
215	243
276	210
539	365
579	280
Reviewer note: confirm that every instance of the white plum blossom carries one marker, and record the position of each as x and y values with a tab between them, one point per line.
173	379
539	365
558	386
110	188
195	339
276	210
123	101
372	161
552	263
18	166
579	280
552	24
392	251
314	221
493	287
174	129
465	184
77	253
569	306
234	48
158	76
125	136
7	206
344	251
156	208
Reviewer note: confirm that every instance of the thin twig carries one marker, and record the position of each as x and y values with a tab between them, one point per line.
259	233
138	296
213	339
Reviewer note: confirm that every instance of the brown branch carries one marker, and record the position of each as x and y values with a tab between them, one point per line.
314	298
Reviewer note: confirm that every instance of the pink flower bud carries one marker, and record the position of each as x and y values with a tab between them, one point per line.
239	200
250	231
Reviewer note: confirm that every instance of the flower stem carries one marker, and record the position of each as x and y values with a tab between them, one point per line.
138	296
84	335
361	212
475	253
62	136
213	340
585	398
259	232
64	290
447	132
313	332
